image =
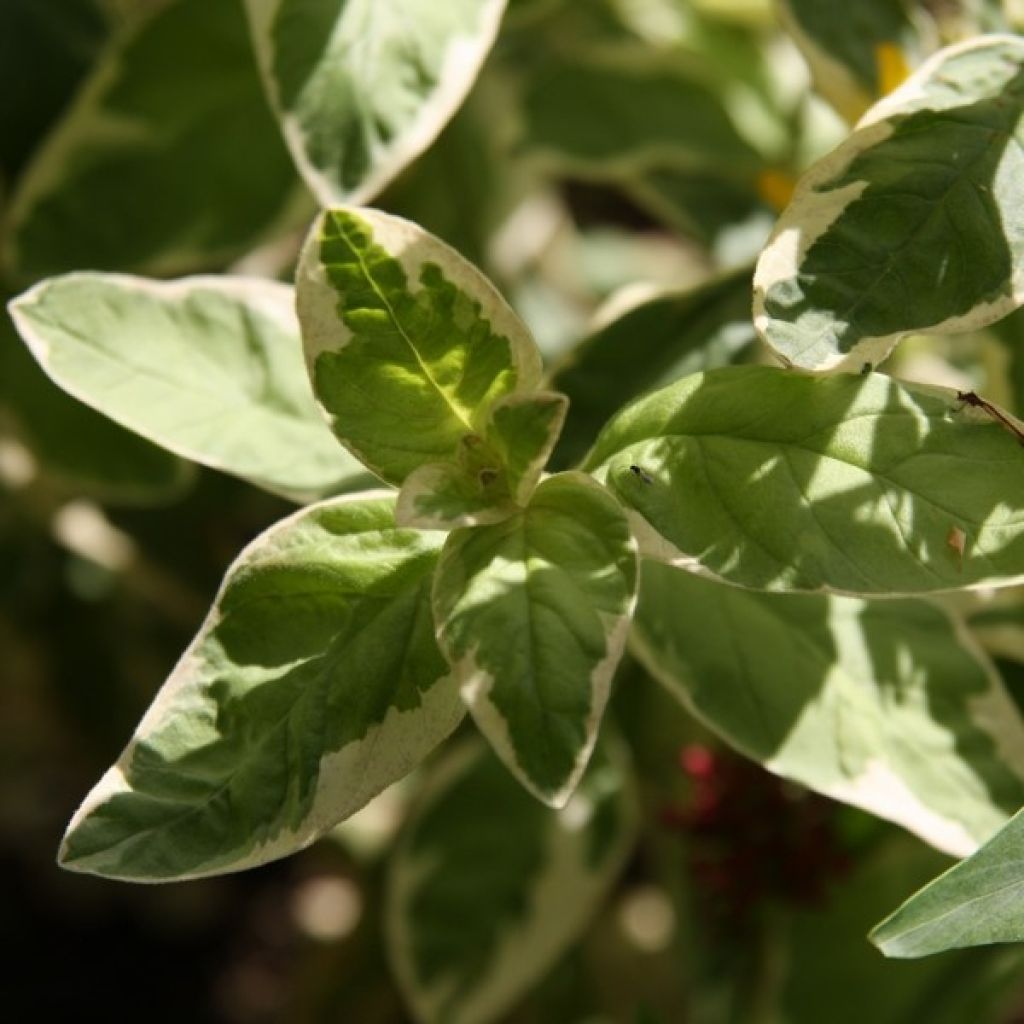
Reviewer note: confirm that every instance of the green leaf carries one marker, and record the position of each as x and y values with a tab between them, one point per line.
620	114
208	367
362	87
168	161
976	902
857	484
490	480
488	888
407	344
85	451
996	621
857	57
886	705
533	612
649	344
912	224
314	683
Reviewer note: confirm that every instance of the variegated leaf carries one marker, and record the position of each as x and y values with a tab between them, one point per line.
208	367
850	484
887	705
532	612
912	224
362	87
408	345
314	683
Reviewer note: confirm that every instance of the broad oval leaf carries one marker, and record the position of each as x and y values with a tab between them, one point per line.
911	225
887	705
314	683
407	344
477	841
640	344
532	613
83	450
849	484
167	162
362	87
975	903
208	367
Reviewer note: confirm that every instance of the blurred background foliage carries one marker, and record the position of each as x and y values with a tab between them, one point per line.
613	153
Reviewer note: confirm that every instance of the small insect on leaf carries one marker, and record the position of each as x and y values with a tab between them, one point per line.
975	400
641	474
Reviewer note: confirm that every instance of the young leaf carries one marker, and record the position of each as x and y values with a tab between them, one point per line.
167	162
976	902
85	451
208	367
781	481
855	58
490	480
314	683
477	840
886	705
912	224
362	87
407	344
654	342
533	613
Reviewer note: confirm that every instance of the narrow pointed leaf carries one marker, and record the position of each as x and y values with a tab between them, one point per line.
649	344
850	484
151	169
362	87
477	840
977	902
490	480
887	705
209	367
314	683
532	612
912	224
408	345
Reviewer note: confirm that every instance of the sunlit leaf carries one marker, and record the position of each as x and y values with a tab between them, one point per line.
886	705
912	224
782	481
532	612
314	683
208	367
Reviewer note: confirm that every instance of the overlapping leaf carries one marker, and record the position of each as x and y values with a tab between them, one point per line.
532	613
856	484
363	86
478	840
209	367
167	162
314	683
408	345
886	705
912	224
